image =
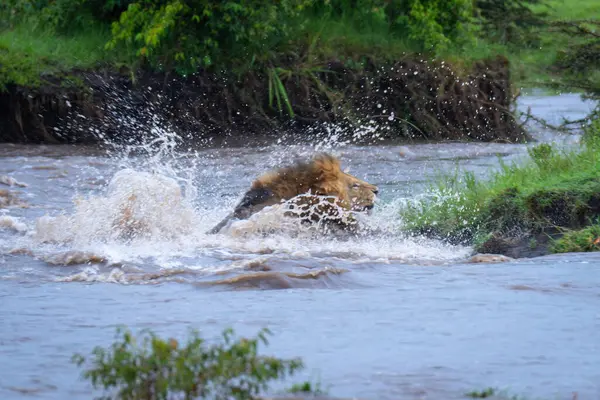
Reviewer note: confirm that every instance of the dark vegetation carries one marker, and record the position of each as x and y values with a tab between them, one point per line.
415	66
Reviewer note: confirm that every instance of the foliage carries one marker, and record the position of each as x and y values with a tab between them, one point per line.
481	394
188	34
236	36
517	197
149	367
185	35
430	24
63	16
510	21
28	56
580	62
437	23
587	239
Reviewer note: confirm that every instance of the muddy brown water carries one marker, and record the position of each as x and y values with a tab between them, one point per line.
377	317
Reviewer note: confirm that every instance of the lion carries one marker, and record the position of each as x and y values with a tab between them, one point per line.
317	190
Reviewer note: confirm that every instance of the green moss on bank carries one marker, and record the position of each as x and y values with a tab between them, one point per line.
552	191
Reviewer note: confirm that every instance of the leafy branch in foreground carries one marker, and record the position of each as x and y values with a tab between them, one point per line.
149	367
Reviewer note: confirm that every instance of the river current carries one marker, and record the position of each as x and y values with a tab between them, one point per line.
376	317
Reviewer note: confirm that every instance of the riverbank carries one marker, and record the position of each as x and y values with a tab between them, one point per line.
548	204
407	99
449	74
301	65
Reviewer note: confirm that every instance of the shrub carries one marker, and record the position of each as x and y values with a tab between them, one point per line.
188	34
152	368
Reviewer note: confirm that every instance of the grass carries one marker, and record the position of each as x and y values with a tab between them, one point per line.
533	66
587	239
551	189
566	9
348	41
28	53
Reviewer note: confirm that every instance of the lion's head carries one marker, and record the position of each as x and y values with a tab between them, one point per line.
307	184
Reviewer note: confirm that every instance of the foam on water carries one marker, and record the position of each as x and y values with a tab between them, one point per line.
12	223
142	214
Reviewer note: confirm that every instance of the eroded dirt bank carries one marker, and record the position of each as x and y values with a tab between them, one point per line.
409	99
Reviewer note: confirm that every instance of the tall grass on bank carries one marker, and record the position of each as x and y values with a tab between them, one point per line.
347	39
460	206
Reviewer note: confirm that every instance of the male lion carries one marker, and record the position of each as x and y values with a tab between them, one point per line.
317	189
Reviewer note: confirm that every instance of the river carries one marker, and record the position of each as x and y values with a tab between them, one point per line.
377	317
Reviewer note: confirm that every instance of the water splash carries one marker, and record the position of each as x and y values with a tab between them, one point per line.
161	197
143	215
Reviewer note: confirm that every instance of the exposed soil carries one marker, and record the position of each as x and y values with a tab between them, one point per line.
415	99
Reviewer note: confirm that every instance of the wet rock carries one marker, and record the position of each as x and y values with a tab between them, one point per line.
21	251
526	246
405	152
279	280
489	258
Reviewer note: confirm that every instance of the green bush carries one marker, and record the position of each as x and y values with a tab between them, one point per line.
185	35
437	23
431	24
150	368
188	34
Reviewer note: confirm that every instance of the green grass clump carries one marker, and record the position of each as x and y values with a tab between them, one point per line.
583	240
552	188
